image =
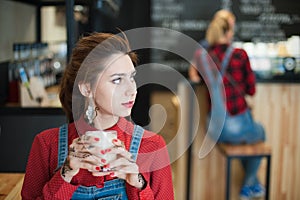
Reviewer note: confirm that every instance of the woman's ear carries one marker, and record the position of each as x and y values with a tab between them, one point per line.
85	89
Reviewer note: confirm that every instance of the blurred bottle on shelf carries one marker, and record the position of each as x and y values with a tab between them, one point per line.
13	85
38	61
270	60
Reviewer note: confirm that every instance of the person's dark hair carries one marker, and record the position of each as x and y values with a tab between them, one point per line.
88	59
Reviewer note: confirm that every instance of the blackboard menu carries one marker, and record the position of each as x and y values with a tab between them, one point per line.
256	21
259	20
266	20
190	17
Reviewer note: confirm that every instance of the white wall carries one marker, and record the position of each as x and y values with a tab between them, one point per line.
17	24
53	25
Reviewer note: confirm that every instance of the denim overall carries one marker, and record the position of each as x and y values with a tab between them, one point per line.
113	189
236	130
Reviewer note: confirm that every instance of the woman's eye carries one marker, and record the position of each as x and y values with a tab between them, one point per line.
116	80
132	77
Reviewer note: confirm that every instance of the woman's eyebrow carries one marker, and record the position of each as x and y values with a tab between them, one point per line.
118	74
123	74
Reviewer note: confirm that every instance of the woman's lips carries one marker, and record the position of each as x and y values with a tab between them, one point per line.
128	104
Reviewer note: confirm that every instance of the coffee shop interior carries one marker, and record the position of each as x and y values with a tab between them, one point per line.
36	40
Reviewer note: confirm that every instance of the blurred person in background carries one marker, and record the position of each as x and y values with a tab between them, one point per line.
239	81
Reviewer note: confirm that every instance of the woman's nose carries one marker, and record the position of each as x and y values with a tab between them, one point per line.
131	88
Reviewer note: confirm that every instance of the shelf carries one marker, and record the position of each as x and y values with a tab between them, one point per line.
69	4
285	78
52	2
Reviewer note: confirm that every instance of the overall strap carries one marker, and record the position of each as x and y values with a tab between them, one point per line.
215	81
226	59
224	64
207	69
136	141
62	145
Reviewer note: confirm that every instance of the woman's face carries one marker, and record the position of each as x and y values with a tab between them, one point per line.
115	90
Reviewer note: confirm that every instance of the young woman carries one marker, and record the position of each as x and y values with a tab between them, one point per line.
98	91
238	80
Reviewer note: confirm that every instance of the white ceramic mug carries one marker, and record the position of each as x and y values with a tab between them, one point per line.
105	142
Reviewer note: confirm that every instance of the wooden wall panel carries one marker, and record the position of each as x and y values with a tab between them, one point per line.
277	107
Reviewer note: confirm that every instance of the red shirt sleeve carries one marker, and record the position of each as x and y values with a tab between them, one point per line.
159	177
250	76
39	181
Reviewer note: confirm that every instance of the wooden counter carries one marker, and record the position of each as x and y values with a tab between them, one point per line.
277	107
11	185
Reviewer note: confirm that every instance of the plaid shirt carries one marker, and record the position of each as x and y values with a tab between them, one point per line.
239	70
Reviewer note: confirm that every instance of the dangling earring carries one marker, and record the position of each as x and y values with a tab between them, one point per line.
91	112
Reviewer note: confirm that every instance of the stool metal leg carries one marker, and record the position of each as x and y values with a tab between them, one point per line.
268	176
228	176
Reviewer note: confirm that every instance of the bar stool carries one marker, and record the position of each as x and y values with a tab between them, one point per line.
258	150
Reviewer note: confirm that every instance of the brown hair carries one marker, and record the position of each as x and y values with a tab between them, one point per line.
88	59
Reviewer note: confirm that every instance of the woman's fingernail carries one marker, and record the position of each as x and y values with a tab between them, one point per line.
115	140
112	174
106	166
97	139
103	160
97	168
104	151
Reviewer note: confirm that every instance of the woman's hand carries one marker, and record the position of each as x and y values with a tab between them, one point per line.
81	155
84	154
193	74
124	167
